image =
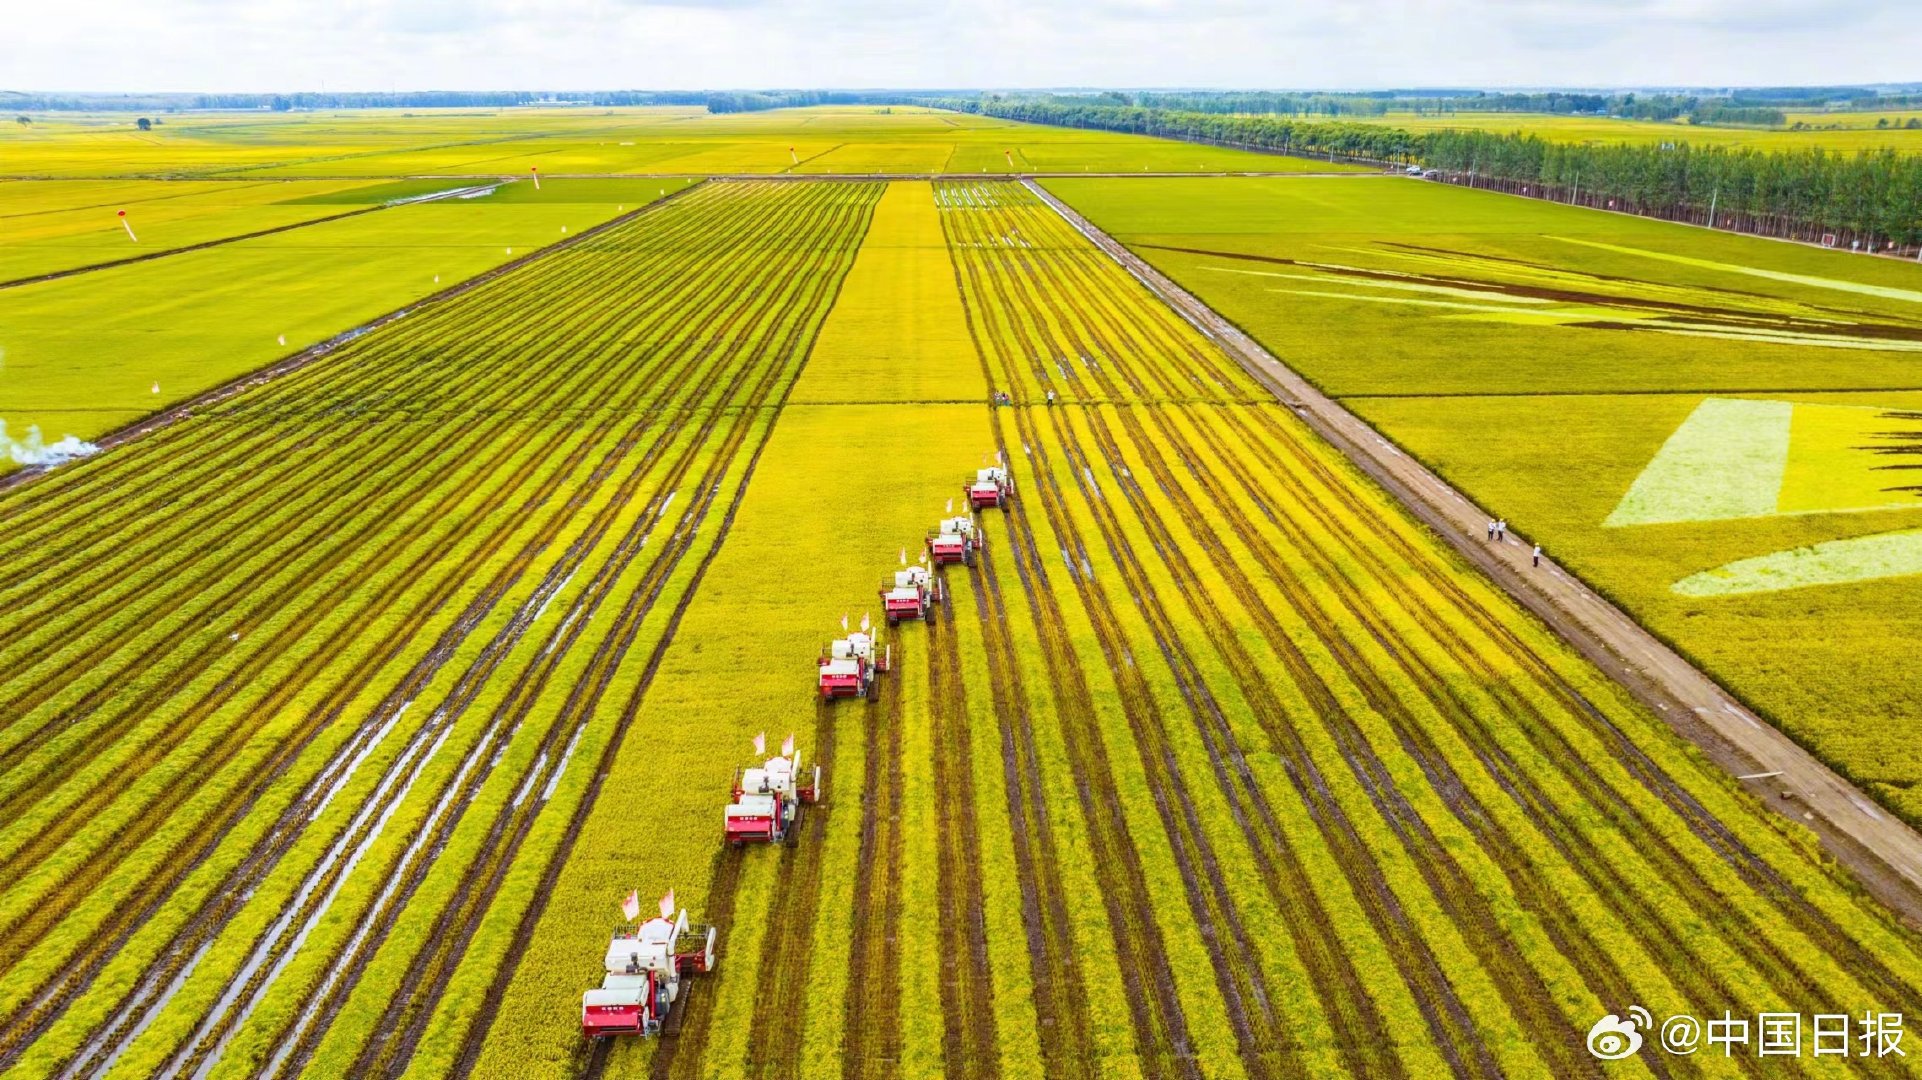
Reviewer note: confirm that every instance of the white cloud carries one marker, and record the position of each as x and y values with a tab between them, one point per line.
605	44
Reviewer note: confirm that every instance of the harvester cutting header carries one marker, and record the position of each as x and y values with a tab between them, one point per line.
645	965
850	666
767	800
991	488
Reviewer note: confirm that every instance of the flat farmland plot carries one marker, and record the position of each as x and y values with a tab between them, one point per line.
1594	379
83	354
268	796
340	717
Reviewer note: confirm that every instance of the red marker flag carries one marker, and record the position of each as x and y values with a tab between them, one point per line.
631	907
128	225
787	745
760	743
667	905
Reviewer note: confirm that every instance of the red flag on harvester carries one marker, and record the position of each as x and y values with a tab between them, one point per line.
667	905
787	746
631	907
844	624
760	743
864	624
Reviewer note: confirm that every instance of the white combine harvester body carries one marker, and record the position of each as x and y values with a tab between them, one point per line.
768	799
644	969
849	666
910	594
955	540
991	487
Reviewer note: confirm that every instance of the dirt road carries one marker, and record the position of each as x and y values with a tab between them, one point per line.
1884	852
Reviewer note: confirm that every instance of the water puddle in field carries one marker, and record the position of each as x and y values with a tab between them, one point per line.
1490	288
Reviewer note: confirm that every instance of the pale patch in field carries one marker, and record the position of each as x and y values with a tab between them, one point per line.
1835	562
1834	284
1744	459
1726	461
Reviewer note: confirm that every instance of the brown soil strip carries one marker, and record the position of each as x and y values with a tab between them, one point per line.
1060	997
1159	1022
420	990
967	989
871	1027
1883	851
779	1022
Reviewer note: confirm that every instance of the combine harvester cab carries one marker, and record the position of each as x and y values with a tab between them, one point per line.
851	666
768	798
645	967
910	593
955	540
990	489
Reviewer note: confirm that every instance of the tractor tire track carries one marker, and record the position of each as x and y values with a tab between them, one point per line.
453	810
697	1019
1158	1020
871	1027
969	1046
579	707
1060	997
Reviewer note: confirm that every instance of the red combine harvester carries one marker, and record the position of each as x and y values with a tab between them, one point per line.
645	967
910	594
768	798
850	666
955	540
991	488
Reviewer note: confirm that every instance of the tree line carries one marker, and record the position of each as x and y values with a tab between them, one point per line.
1872	198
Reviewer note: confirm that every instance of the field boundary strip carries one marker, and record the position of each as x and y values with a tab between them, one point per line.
309	355
1884	852
149	256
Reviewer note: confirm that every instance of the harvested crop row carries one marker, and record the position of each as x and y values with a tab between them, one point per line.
705	349
1305	560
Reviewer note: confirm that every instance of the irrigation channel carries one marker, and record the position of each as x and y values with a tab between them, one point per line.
1226	765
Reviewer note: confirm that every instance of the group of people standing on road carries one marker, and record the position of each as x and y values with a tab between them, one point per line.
1498	534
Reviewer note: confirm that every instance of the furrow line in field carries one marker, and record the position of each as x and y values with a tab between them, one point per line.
1158	1020
261	861
156	513
778	1023
346	544
1060	996
694	446
469	619
585	380
871	1026
74	486
580	706
967	988
1521	984
1239	978
1677	869
1378	901
696	1023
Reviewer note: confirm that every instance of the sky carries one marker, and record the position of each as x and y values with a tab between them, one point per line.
282	45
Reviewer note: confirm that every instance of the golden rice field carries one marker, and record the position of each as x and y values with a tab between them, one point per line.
338	715
628	141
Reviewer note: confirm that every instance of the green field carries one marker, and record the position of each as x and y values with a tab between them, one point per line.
597	141
1543	357
83	355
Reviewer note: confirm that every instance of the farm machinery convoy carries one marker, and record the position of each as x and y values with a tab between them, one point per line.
645	964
